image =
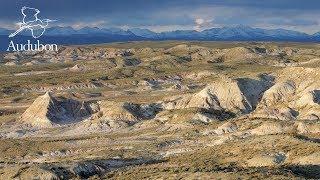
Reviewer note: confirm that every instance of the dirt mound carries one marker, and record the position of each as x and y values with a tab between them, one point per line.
114	115
311	159
127	111
12	63
47	111
292	97
228	127
207	55
263	160
76	68
222	95
36	172
183	49
308	128
199	75
238	54
204	118
268	128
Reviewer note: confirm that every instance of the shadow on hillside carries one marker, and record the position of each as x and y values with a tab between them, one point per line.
306	138
254	89
305	171
143	112
87	169
316	96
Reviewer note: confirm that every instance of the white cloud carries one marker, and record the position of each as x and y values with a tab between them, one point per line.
201	24
8	25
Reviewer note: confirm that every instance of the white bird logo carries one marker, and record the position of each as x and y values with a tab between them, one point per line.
32	22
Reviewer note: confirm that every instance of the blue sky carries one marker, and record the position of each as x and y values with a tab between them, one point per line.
166	15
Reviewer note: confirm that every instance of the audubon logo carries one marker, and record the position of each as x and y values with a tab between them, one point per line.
32	47
37	27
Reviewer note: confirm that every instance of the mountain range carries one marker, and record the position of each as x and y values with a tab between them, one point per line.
90	35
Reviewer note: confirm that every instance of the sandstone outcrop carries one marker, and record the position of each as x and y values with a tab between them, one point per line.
292	97
47	111
222	95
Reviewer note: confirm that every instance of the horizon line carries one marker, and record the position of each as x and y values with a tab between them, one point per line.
130	28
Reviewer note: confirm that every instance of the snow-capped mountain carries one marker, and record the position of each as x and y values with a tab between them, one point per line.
61	31
225	33
144	33
95	35
249	33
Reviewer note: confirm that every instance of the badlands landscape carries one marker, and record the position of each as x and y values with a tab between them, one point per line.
162	110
